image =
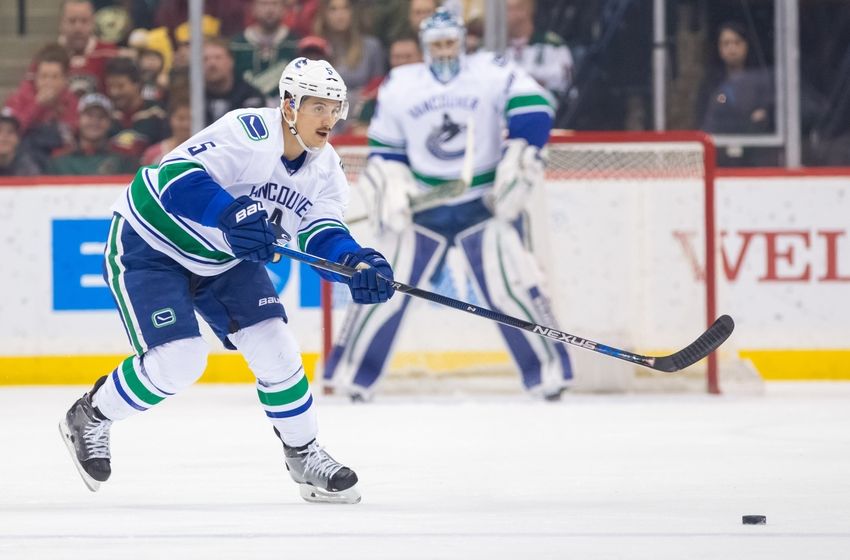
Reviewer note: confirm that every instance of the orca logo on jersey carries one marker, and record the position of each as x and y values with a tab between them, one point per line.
448	131
254	125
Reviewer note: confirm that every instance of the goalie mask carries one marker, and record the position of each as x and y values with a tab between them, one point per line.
310	78
442	37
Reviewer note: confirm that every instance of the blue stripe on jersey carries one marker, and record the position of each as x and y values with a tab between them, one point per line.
149	184
161	237
293	412
331	244
391	157
534	127
198	197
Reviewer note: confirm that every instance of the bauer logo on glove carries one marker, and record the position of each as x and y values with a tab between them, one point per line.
248	211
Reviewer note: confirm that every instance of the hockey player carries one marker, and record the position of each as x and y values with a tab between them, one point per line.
417	140
193	234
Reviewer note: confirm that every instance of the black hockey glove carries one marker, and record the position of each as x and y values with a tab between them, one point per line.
372	281
246	229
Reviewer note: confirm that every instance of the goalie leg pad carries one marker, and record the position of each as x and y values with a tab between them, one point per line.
510	281
360	356
273	355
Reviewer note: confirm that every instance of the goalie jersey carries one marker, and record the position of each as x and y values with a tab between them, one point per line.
174	207
422	122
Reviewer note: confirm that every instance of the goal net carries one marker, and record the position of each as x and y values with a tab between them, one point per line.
624	231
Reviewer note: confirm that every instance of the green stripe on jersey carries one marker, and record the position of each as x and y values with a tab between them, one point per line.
155	216
374	143
481	179
522	101
113	261
171	171
306	236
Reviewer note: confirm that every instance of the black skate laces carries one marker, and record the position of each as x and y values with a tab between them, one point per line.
96	438
318	461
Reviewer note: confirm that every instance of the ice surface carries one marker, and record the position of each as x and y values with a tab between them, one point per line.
201	476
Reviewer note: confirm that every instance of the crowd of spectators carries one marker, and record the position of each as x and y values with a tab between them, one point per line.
112	91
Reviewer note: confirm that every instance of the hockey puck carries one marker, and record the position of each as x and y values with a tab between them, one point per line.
754	519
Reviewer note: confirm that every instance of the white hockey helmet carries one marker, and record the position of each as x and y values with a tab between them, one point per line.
443	25
317	78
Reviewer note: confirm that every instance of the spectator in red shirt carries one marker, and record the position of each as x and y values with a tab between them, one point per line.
45	107
88	54
300	16
47	98
231	13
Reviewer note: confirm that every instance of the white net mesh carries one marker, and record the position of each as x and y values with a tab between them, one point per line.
619	229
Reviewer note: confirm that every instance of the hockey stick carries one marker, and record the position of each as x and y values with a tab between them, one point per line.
434	197
444	191
706	343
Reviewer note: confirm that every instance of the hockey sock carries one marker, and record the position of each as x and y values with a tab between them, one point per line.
289	406
139	383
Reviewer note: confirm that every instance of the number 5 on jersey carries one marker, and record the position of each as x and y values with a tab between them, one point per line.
195	150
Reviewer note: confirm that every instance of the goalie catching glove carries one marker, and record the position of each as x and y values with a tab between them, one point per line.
372	283
519	171
387	187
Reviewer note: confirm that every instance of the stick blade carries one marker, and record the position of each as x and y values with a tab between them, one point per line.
707	343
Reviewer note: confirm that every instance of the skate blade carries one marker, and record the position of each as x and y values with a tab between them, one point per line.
92	484
319	496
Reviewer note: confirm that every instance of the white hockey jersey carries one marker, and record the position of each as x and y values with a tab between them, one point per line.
547	58
421	118
241	152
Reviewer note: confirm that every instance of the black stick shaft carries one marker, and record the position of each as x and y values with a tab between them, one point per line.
700	348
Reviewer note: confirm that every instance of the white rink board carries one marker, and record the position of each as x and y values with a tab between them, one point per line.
792	286
794	225
27	216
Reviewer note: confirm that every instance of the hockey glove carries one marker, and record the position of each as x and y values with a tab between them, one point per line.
246	229
387	187
519	171
372	281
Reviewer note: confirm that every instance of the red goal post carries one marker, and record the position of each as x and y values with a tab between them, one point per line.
587	165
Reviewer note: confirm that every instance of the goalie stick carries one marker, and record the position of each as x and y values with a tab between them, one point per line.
704	345
444	191
434	197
